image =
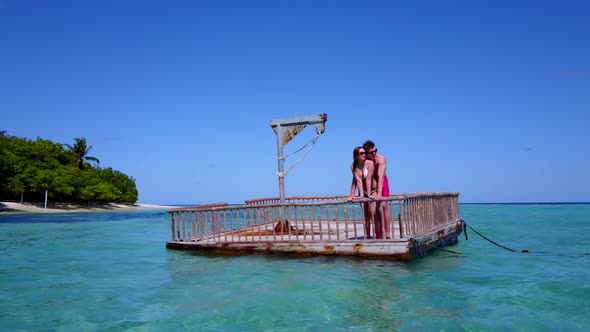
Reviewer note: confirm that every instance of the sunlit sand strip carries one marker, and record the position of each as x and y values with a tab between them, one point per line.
13	207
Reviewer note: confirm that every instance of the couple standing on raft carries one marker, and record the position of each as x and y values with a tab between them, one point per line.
368	176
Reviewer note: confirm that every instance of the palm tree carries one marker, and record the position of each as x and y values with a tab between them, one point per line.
80	150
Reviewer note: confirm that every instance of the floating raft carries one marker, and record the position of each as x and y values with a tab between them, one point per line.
319	225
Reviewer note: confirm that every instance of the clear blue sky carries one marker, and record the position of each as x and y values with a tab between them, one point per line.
489	98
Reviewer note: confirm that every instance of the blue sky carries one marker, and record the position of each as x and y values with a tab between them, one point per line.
488	98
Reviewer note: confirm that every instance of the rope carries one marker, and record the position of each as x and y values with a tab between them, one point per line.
417	246
465	229
306	144
433	247
313	140
499	245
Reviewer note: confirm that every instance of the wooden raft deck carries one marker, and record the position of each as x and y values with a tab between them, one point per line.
318	225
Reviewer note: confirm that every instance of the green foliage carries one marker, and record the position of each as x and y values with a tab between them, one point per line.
80	151
33	167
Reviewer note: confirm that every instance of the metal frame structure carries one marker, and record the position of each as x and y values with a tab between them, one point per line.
286	130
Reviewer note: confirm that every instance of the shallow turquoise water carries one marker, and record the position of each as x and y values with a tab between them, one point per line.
111	272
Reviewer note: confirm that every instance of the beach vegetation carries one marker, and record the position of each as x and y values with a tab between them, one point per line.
66	172
80	151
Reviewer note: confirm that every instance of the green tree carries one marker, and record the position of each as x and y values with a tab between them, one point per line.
64	181
80	150
126	190
34	166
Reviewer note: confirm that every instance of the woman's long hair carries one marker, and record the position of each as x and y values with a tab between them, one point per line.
355	155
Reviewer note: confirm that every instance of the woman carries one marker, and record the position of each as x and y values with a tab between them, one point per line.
362	179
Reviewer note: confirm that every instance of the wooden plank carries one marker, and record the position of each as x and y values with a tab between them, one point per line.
394	250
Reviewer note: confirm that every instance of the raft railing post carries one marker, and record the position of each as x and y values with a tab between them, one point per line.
281	173
295	216
383	221
333	211
401	229
224	223
177	226
194	225
172	225
346	215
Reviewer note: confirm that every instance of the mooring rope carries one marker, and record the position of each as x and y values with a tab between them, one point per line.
417	245
312	141
465	225
414	241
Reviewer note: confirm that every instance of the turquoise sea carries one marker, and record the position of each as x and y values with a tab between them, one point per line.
112	272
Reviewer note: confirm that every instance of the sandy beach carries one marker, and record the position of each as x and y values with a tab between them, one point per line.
13	207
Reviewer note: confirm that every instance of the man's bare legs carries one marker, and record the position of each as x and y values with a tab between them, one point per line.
369	211
378	222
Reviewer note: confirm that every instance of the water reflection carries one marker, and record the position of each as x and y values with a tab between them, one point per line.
360	294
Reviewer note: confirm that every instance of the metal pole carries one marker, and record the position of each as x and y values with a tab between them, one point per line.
46	199
281	161
281	174
292	127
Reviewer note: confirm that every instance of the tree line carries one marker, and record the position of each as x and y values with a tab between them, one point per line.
67	172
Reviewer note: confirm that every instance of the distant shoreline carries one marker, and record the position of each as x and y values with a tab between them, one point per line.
14	207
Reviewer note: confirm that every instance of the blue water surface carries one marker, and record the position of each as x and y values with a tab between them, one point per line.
112	272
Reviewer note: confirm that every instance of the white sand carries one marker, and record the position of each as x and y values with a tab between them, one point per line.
38	208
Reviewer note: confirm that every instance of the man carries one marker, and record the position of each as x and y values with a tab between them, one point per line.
382	188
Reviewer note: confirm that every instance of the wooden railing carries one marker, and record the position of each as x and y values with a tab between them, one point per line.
294	199
311	218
